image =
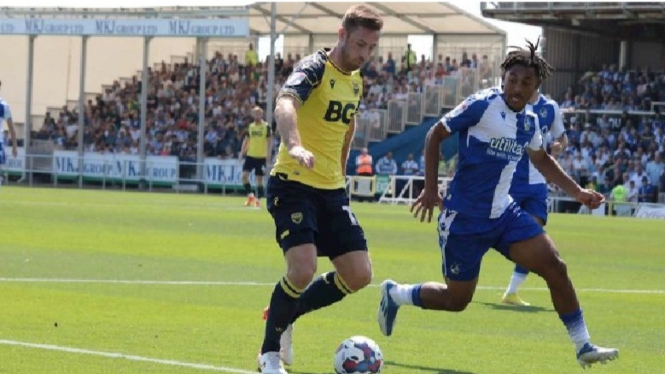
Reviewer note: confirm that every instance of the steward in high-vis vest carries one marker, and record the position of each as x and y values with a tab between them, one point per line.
364	164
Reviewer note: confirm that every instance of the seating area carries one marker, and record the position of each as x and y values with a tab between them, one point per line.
616	131
612	115
395	95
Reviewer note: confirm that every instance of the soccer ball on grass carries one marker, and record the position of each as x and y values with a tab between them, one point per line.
358	355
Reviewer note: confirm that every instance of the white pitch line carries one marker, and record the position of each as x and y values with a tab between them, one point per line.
269	284
139	282
50	347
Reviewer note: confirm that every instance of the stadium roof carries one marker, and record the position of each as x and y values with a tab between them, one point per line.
399	18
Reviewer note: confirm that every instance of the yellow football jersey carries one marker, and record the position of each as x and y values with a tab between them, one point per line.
257	136
329	98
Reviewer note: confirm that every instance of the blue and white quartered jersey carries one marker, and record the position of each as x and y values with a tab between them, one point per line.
5	113
492	139
551	126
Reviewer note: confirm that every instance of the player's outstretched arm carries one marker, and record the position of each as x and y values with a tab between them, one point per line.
554	173
287	125
287	120
429	197
245	145
12	135
346	148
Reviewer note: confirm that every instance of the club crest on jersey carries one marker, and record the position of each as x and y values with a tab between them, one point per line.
296	217
356	88
543	113
527	123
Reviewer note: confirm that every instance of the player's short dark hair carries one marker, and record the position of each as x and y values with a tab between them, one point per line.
528	57
362	15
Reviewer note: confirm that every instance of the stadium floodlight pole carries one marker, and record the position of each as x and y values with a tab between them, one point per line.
203	53
144	108
81	105
270	96
27	126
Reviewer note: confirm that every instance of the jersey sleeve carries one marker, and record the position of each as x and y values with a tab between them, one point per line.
6	112
557	129
465	115
306	76
536	142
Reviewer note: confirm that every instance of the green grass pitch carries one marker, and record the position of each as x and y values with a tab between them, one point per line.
126	282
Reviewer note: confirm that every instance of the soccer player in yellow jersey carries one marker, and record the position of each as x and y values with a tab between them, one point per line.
315	113
256	148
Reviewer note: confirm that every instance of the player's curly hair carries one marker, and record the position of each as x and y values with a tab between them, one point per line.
362	15
529	58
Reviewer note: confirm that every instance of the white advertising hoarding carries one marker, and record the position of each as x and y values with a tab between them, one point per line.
208	28
107	166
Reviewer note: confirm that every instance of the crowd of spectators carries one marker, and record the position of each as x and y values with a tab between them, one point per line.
615	138
606	149
112	120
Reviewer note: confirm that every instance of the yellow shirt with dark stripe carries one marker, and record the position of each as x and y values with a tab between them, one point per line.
258	134
329	98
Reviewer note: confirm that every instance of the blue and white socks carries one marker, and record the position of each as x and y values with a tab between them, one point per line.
407	294
576	327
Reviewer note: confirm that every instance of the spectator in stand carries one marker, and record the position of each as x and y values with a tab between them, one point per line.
647	193
386	165
655	168
251	57
410	59
410	166
661	188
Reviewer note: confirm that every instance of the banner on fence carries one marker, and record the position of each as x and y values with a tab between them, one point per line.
650	211
115	167
14	165
228	173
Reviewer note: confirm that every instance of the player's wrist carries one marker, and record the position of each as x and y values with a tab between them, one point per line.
293	146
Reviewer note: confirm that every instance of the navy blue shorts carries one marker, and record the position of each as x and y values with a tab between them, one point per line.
305	215
532	199
464	240
257	165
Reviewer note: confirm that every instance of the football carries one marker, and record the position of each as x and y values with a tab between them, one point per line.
358	355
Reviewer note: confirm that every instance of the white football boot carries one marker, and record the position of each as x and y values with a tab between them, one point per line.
270	363
591	354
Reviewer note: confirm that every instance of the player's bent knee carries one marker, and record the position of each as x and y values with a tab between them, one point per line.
360	279
355	269
301	276
458	305
558	267
301	264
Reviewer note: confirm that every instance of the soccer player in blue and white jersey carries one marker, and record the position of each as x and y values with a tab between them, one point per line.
529	188
6	115
495	130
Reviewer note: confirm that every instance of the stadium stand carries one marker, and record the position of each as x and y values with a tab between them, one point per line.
233	88
611	125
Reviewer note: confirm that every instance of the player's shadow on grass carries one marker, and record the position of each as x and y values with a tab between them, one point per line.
515	308
426	368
